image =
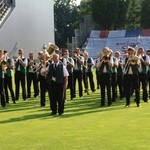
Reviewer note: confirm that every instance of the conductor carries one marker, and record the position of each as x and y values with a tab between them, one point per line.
57	81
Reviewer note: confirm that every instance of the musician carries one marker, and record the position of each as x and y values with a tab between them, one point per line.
77	71
2	72
88	72
114	78
105	70
61	58
97	71
131	79
70	66
42	69
57	81
120	74
8	78
148	73
143	69
32	76
20	74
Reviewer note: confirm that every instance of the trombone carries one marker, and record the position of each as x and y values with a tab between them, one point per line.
131	61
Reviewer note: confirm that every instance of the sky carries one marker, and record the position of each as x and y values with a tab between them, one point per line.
78	2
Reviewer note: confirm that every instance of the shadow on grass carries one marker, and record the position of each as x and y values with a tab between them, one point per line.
88	105
73	108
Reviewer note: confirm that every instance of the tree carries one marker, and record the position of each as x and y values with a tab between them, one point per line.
145	14
133	14
114	14
109	14
66	14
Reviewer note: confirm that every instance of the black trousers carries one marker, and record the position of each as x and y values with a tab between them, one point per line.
71	85
85	80
77	74
143	80
8	85
148	80
20	78
32	77
120	85
2	95
90	76
105	82
97	78
114	86
132	81
43	89
56	96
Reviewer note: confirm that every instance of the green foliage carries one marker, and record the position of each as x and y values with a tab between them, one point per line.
145	14
133	15
66	16
109	14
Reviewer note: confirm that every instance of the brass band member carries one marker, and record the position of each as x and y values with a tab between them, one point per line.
77	71
57	81
114	79
20	74
148	73
88	67
8	78
144	62
105	69
70	66
32	76
2	72
42	69
120	74
131	79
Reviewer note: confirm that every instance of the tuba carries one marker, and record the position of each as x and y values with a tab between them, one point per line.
52	48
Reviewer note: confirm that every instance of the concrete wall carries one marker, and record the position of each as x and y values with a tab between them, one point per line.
30	25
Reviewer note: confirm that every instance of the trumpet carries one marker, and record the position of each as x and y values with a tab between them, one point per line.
106	57
131	61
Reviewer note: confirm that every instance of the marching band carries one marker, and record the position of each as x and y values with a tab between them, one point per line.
56	71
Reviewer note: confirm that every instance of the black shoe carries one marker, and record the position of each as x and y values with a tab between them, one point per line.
14	102
102	105
53	113
109	105
28	96
138	105
60	113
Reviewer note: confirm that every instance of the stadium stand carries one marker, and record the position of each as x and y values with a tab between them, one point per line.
116	40
6	7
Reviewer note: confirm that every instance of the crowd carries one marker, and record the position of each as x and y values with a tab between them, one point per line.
60	71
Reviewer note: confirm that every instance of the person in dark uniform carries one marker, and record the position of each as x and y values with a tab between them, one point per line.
148	73
120	74
3	67
131	78
105	69
8	78
143	69
32	76
77	71
99	55
20	74
57	82
88	69
42	69
70	66
114	79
